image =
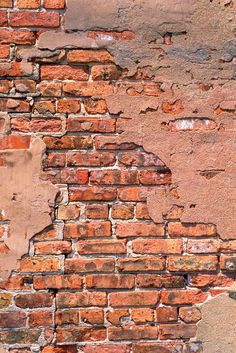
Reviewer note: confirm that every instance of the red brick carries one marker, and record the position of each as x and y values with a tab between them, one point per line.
20	37
97	211
90	159
16	283
177	331
63	72
14	105
53	247
139	229
183	297
54	4
203	246
110	177
132	193
149	347
39	264
4	51
159	281
5	86
122	211
142	211
67	317
95	106
132	333
115	316
157	246
45	107
140	298
40	318
3	18
228	263
68	142
142	264
110	281
23	336
173	108
117	348
68	212
105	72
15	142
87	230
6	3
89	265
50	89
189	315
139	159
60	349
191	230
142	316
92	193
58	282
92	316
193	263
153	177
55	159
219	280
34	19
91	124
80	334
36	125
28	4
12	319
89	56
68	299
101	247
87	89
35	300
15	69
166	314
25	86
68	106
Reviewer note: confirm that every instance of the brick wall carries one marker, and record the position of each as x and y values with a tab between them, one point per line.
103	277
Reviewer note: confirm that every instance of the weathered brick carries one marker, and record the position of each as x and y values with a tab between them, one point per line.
14	105
60	349
12	319
54	4
39	264
199	230
115	316
36	125
6	3
142	316
67	317
159	281
20	37
58	282
87	89
54	247
205	280
149	347
228	263
95	106
105	247
117	348
14	142
4	51
28	4
63	72
132	332
203	246
87	230
142	264
122	211
92	193
89	56
166	314
189	315
193	263
89	265
5	300
68	142
34	300
105	72
68	299
157	246
153	177
92	316
50	89
97	211
91	124
139	229
22	336
183	297
110	281
177	331
67	212
78	334
90	159
3	18
34	19
43	318
134	298
110	177
68	106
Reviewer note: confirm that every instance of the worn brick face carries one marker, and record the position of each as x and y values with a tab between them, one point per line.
137	126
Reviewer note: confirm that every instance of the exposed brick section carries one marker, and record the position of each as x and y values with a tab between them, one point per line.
34	19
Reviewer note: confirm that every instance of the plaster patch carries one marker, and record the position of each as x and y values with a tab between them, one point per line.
25	201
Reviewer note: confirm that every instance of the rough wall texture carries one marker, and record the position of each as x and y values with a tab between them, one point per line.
127	108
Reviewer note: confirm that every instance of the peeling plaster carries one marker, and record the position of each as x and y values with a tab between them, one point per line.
217	329
25	202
